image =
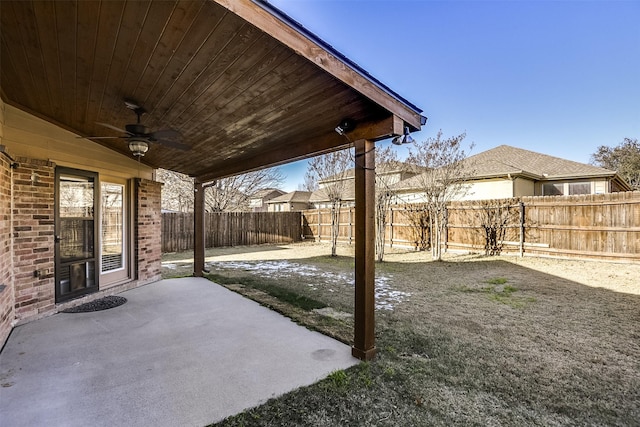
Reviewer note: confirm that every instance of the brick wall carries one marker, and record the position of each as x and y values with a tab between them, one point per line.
27	257
148	225
7	299
33	228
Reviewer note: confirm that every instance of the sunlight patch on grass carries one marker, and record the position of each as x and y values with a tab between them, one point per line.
500	293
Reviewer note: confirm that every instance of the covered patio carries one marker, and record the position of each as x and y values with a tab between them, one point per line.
219	87
180	352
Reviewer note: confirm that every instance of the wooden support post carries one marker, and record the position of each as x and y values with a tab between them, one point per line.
198	229
364	327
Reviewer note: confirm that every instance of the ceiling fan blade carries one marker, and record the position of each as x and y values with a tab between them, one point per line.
172	144
166	134
97	137
107	125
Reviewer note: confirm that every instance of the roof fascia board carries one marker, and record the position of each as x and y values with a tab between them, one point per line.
274	22
622	182
606	174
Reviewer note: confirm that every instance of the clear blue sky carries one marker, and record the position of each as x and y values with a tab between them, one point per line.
557	77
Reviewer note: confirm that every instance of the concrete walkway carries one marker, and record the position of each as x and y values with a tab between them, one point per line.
180	352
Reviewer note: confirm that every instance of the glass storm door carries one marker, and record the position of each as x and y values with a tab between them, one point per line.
75	233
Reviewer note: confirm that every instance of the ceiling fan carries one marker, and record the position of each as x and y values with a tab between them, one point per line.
138	136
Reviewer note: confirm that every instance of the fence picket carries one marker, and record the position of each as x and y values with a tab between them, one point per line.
231	229
604	226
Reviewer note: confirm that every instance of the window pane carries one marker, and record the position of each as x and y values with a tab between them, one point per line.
76	197
76	241
112	227
550	189
579	188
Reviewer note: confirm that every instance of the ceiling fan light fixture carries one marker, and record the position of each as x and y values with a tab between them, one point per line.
138	147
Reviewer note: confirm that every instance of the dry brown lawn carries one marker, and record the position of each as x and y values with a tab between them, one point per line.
471	340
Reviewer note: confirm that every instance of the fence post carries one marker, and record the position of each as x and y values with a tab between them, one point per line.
521	229
319	226
446	229
198	229
349	234
391	227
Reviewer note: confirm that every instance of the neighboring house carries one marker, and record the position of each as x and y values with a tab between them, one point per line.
320	199
389	173
506	172
258	201
290	202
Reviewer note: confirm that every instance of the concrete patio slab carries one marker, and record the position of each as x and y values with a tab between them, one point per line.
180	352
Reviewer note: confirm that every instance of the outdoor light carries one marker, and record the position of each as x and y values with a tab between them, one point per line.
345	125
403	139
138	147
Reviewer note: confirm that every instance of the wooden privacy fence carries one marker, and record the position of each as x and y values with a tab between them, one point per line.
603	226
231	229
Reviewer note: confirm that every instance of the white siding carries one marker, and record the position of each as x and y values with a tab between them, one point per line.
495	189
601	187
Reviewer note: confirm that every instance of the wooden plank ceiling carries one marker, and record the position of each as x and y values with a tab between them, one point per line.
244	87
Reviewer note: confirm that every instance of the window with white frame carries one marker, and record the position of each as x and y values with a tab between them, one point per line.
552	189
112	227
579	188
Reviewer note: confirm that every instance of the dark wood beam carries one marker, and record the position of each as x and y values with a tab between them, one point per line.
364	314
371	131
198	232
321	57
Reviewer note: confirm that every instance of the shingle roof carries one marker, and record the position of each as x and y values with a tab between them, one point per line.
292	197
265	192
381	169
505	159
349	193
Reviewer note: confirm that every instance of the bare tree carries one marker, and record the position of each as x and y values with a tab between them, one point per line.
386	160
418	219
310	183
330	171
177	191
234	193
443	181
227	194
496	217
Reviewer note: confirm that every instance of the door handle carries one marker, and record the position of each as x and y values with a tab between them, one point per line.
57	239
